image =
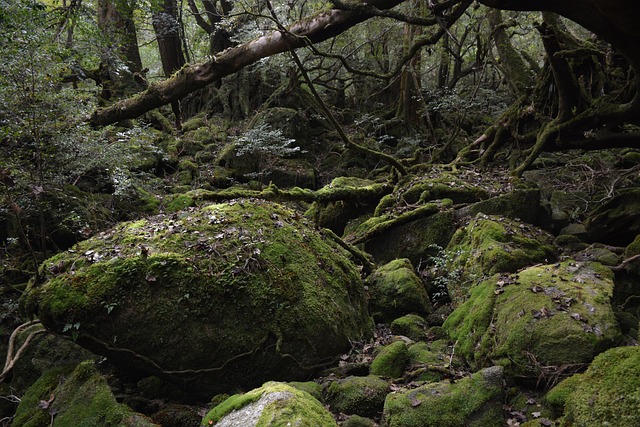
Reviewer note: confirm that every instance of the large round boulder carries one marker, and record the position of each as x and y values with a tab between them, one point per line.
225	296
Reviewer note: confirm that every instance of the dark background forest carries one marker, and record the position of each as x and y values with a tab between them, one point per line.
115	110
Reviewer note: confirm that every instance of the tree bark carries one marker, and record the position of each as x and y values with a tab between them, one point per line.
190	78
115	19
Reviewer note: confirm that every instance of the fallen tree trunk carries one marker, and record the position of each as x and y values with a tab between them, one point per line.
190	78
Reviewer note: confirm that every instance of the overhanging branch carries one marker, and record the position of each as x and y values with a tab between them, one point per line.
190	78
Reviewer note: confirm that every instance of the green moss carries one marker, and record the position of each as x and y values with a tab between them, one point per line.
357	395
608	392
358	421
550	315
472	401
188	280
633	248
490	245
179	202
391	360
411	326
311	387
292	407
557	397
81	399
396	290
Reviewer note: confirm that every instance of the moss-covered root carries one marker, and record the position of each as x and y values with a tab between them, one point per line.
272	405
472	401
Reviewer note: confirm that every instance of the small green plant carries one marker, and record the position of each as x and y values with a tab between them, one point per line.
73	329
438	273
265	145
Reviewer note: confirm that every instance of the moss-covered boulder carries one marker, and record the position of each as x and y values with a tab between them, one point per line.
390	360
229	295
77	397
396	290
616	222
411	326
491	244
474	401
608	393
544	318
272	405
522	204
357	395
414	238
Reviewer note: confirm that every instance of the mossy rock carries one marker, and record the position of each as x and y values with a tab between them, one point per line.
489	245
241	292
390	360
311	387
77	397
520	204
474	401
414	240
550	317
272	405
396	290
633	248
411	326
336	215
617	221
358	421
608	393
357	395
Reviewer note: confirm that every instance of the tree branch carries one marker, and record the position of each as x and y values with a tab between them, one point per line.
190	78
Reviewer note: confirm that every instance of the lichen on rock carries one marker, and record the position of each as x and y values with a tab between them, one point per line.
272	405
228	295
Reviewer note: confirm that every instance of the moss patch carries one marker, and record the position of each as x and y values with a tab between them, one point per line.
396	290
608	393
391	360
544	317
272	405
489	245
249	286
357	395
80	398
471	401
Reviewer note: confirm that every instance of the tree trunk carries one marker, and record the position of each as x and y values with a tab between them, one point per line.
190	78
115	19
167	29
517	73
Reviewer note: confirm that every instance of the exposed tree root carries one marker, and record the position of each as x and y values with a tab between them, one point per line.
12	357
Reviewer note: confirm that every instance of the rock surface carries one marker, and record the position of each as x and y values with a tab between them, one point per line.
274	404
538	320
229	295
